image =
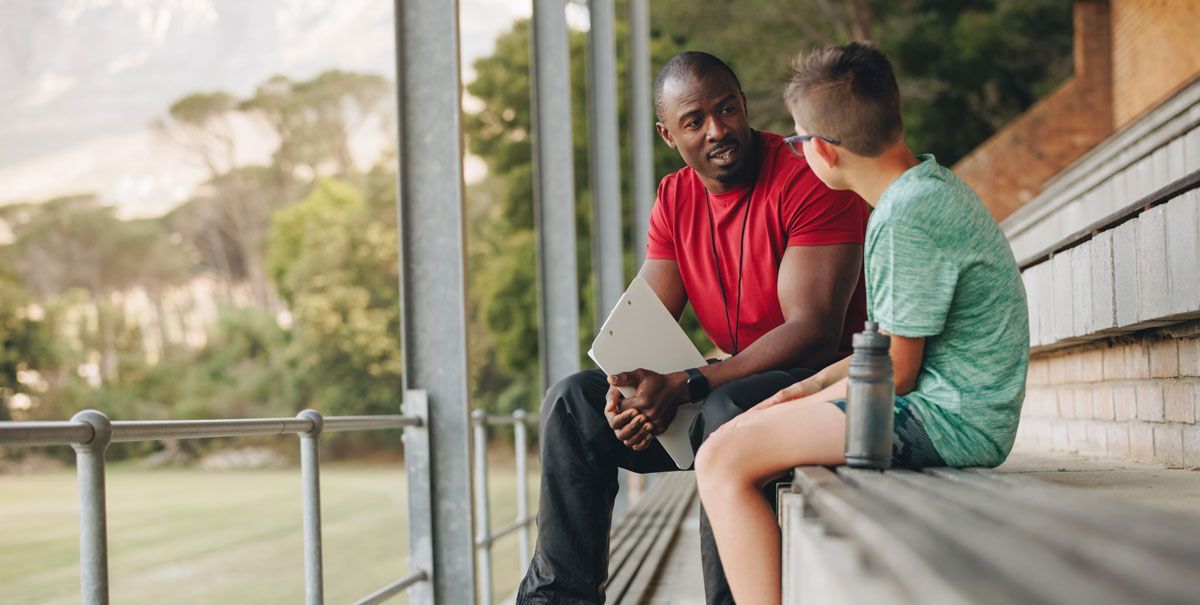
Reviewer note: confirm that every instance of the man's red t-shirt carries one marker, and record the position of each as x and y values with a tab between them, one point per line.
788	206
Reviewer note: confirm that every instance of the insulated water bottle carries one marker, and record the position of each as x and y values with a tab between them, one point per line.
869	399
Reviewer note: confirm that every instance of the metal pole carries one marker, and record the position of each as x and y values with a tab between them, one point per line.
93	516
483	523
522	448
641	123
433	273
605	174
310	478
554	193
420	496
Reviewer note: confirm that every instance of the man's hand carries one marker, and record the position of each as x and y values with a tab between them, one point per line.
809	386
629	425
656	396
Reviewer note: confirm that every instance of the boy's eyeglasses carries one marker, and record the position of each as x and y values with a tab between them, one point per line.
795	141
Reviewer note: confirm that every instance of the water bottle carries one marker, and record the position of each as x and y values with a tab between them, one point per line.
869	399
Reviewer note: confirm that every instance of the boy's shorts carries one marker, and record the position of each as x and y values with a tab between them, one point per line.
911	447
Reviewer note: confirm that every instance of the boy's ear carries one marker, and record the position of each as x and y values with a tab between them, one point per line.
827	151
664	134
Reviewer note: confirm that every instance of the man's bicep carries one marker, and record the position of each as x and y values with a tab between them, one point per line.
664	278
817	282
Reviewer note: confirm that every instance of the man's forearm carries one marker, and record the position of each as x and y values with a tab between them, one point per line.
790	345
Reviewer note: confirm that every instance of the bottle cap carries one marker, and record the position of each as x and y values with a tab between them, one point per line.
871	338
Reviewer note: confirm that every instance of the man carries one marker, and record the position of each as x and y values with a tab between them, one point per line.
770	260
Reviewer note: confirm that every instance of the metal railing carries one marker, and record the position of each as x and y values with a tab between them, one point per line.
90	432
484	537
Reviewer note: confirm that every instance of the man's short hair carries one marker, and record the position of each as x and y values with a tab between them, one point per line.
688	64
847	93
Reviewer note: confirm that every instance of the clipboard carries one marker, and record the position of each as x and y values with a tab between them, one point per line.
640	333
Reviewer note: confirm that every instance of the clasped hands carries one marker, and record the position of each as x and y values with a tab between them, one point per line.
637	419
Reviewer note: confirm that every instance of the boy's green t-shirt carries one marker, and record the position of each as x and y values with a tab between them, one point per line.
939	267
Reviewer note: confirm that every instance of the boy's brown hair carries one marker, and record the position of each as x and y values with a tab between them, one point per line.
848	93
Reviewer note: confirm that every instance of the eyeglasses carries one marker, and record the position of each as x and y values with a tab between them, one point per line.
795	141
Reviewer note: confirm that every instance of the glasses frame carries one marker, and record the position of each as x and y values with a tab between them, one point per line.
800	139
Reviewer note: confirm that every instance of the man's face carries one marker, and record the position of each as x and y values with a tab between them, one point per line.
704	117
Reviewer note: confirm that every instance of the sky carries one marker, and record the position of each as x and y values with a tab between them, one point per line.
82	81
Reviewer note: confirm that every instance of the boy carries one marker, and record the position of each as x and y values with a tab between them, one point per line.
941	279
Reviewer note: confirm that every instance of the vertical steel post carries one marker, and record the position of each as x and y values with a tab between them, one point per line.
310	479
641	123
605	173
521	446
554	193
93	514
420	496
433	273
483	518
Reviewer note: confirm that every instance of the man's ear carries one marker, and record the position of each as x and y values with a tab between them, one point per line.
664	134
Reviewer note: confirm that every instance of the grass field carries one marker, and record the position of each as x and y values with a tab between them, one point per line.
191	536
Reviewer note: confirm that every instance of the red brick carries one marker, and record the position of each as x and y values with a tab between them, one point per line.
1164	359
1150	402
1168	445
1141	442
1114	363
1091	365
1179	402
1124	403
1117	439
1137	360
1102	403
1189	357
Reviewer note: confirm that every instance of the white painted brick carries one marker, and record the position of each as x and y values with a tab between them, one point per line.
1116	436
1141	442
1044	284
1081	286
1179	402
1176	158
1151	242
1183	252
1168	445
1097	439
1108	198
1125	272
1077	434
1160	168
1191	446
1031	294
1191	150
1120	188
1150	402
1141	181
1063	323
1104	308
1060	436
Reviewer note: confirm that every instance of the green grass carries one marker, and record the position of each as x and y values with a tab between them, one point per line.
191	536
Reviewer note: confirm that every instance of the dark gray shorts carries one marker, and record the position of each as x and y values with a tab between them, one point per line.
911	446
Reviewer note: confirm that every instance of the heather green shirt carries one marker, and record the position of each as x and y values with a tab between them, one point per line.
938	266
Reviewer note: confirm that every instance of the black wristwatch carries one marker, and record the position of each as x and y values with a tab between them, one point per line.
697	385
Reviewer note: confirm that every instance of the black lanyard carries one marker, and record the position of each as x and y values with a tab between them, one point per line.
712	238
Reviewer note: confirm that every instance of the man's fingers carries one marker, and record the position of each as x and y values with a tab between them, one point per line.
630	429
619	421
622	379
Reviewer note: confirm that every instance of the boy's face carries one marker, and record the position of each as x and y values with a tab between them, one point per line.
823	157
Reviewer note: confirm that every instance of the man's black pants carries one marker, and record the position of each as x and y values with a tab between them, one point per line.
580	457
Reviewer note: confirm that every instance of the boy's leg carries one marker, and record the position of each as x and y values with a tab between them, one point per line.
580	456
733	464
722	405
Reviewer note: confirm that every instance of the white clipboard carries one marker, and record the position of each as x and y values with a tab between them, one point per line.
640	333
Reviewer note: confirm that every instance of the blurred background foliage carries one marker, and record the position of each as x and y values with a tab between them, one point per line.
294	262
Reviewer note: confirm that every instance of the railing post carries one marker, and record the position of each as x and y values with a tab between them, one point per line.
521	447
310	478
641	123
93	516
420	497
483	540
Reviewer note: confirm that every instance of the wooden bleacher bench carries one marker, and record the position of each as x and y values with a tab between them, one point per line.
976	536
639	544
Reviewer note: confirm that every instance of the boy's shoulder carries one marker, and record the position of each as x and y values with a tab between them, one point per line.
927	196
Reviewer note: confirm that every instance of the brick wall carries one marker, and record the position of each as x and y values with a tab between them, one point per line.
1133	398
1156	51
1009	169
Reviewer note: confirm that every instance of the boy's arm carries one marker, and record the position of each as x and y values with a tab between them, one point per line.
906	353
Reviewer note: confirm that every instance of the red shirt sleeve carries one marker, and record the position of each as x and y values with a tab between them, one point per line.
815	215
660	237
